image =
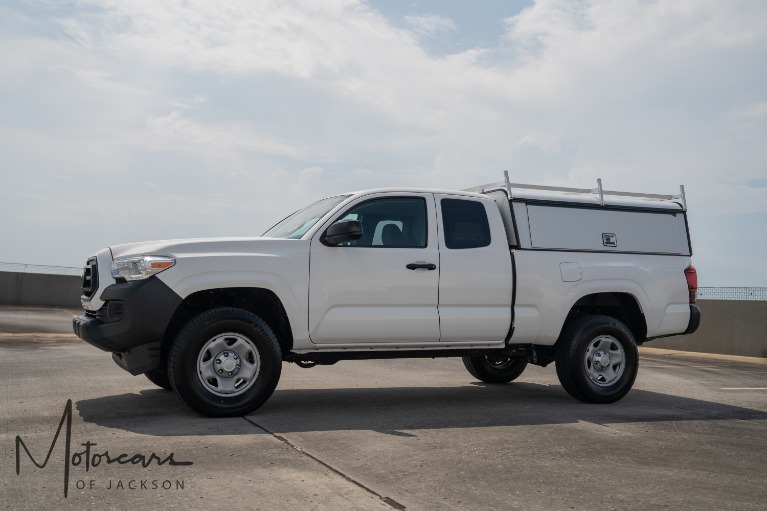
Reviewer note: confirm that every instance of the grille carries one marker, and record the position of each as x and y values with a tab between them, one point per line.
90	277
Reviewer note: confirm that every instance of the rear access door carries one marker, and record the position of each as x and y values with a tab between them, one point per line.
475	270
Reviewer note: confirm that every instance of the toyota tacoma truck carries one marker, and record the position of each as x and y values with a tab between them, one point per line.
502	275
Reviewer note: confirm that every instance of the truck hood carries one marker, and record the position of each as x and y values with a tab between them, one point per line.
201	246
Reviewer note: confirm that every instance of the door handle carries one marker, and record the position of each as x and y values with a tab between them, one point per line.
423	266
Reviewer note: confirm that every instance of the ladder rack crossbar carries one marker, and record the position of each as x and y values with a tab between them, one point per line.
505	185
502	185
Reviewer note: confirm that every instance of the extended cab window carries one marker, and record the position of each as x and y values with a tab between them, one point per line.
465	224
397	222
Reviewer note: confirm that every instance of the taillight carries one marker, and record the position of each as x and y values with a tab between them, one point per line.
692	282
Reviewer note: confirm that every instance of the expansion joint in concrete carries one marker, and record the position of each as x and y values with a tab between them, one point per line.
388	500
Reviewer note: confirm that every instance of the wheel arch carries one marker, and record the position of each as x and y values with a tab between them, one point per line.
624	307
262	302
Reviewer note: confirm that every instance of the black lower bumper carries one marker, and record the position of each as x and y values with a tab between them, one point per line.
131	323
694	323
140	359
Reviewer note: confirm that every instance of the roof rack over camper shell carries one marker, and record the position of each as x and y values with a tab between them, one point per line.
597	196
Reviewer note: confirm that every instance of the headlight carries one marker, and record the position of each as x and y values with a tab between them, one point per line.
140	267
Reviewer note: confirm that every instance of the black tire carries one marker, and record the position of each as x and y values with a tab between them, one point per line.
159	378
588	343
200	348
495	368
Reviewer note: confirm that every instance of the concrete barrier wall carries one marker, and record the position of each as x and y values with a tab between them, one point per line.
39	290
726	328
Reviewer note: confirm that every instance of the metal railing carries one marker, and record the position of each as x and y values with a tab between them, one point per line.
732	293
41	268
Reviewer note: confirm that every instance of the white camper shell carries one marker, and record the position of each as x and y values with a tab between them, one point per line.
591	220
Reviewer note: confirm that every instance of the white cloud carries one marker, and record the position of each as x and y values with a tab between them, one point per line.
236	113
79	32
301	39
539	140
754	111
98	80
429	24
217	140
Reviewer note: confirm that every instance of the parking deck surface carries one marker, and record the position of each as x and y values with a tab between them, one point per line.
390	434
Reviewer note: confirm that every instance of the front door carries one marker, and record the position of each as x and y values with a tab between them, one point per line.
382	288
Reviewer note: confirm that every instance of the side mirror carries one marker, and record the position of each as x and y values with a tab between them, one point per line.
341	232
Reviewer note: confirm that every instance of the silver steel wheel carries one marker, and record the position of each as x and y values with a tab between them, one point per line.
228	364
499	361
605	360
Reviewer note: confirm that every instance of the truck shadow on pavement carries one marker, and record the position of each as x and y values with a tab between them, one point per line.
398	410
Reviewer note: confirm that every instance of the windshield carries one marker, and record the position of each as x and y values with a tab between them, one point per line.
296	225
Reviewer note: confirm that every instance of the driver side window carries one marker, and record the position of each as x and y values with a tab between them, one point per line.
395	222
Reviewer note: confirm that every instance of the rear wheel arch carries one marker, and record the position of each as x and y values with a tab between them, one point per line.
622	306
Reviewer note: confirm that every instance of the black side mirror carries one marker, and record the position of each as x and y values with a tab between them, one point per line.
341	232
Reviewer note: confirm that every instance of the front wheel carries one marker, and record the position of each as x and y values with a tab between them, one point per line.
159	378
495	368
225	362
597	359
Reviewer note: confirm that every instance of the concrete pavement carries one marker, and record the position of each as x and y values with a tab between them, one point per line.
397	434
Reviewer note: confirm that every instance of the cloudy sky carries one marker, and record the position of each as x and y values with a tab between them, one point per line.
149	119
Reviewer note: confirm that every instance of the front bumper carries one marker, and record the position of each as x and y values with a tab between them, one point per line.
131	323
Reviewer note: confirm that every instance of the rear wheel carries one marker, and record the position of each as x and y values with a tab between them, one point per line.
597	359
225	362
495	368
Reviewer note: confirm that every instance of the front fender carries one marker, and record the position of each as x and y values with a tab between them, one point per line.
287	276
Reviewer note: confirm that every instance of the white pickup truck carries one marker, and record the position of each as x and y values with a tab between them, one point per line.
502	275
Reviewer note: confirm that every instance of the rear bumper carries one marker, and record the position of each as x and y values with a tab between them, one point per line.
694	320
131	323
